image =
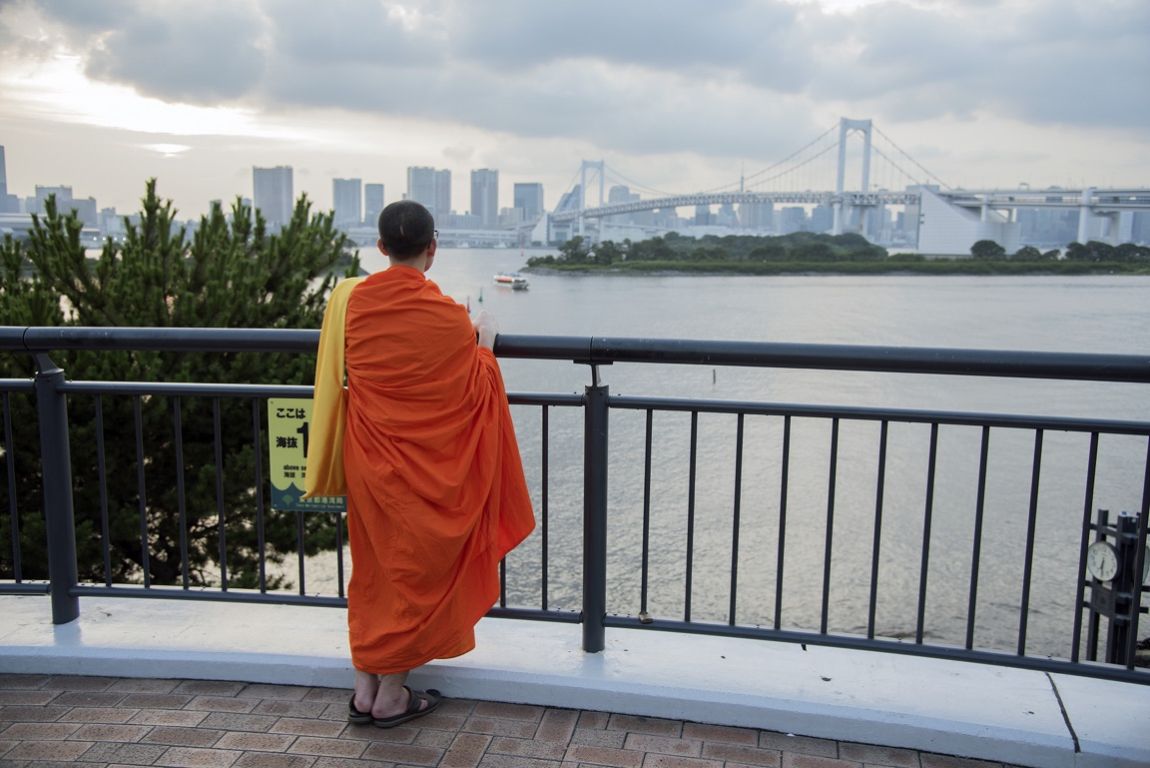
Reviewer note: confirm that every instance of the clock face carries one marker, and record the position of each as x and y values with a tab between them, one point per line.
1102	561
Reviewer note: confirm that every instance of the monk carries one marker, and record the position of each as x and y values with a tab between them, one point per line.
435	489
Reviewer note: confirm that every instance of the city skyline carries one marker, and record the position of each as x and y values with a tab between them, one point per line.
986	93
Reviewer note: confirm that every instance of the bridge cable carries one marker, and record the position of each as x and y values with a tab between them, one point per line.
808	161
796	153
638	185
799	151
908	157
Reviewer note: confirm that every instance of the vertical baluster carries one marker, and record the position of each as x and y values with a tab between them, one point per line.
221	510
1083	543
1031	524
829	543
880	485
735	519
646	518
13	510
927	517
102	481
258	406
181	500
141	491
503	582
976	554
784	474
691	467
544	538
339	523
300	534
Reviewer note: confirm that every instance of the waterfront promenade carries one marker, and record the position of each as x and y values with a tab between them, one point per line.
183	683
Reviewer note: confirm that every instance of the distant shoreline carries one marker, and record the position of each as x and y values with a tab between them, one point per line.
894	267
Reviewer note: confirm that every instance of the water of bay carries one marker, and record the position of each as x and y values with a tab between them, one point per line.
1040	313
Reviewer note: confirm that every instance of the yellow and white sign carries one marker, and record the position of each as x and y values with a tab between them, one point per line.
289	420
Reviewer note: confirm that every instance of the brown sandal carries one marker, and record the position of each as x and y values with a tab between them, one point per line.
414	709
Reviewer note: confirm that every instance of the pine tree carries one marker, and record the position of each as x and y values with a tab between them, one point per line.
232	273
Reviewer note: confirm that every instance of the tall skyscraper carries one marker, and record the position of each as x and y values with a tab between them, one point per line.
273	195
372	203
8	203
485	197
347	202
529	199
430	187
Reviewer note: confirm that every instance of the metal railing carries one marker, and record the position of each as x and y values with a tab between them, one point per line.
630	532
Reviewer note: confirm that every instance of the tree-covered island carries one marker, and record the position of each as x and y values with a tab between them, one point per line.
808	252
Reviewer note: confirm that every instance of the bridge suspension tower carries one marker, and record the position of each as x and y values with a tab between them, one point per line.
846	128
595	167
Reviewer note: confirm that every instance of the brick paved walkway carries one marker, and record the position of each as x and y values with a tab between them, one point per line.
107	722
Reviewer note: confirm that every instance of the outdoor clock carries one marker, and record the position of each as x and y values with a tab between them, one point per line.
1102	560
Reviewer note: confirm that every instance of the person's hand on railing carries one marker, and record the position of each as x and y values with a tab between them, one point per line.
486	329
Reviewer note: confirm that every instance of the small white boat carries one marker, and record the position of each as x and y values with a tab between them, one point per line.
512	279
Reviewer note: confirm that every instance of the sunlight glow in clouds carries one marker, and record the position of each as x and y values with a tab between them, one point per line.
57	89
167	150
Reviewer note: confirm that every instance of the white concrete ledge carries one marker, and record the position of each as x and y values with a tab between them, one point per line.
1009	715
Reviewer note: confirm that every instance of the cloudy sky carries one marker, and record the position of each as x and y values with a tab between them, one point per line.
675	95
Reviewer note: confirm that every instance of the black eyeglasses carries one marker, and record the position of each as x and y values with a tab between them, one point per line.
435	234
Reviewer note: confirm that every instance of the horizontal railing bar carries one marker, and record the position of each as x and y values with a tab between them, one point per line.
861	643
1017	421
542	398
962	362
46	339
535	614
188	388
254	596
600	350
198	389
17	385
959	418
24	588
200	594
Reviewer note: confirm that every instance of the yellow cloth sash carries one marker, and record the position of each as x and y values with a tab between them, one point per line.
324	473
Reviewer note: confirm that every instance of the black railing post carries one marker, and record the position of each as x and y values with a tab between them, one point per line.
56	466
594	514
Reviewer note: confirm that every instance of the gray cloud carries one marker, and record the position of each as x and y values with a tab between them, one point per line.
198	54
1062	62
730	78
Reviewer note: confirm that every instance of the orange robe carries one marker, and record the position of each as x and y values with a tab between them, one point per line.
435	486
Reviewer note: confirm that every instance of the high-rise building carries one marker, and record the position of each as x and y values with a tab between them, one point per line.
529	199
792	219
347	202
823	218
432	188
273	195
8	203
760	215
485	197
372	203
85	207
